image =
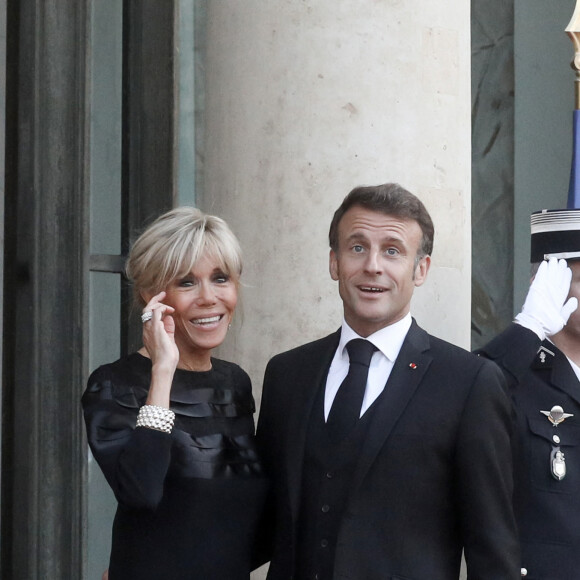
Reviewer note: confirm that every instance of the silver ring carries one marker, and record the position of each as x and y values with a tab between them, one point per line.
146	316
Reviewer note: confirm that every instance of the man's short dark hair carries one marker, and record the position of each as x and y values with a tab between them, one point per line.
391	199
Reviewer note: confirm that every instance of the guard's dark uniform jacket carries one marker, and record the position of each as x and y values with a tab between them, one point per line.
547	456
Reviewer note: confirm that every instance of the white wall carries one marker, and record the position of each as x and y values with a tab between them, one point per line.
304	101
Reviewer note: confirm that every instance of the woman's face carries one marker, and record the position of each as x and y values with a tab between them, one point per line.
204	303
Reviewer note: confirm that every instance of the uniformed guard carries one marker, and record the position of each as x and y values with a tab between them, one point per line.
540	356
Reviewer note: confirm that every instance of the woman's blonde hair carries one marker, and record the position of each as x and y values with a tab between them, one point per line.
170	247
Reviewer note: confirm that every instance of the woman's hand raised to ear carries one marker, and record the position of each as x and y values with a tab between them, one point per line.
159	340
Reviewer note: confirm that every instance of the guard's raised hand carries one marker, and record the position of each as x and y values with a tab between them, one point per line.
547	306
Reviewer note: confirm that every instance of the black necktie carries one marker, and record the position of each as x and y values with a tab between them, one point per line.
346	407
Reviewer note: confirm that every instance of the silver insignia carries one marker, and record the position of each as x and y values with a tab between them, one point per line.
558	464
556	415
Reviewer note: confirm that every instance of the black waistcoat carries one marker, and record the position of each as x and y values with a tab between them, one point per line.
326	478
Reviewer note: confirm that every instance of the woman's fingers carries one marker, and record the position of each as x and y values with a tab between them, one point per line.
160	310
159	331
155	309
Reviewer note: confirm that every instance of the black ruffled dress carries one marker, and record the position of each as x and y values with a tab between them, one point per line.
188	503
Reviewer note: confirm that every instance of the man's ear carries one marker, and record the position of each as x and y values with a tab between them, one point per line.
333	265
421	270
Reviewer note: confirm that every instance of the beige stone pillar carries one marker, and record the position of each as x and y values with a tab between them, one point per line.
307	99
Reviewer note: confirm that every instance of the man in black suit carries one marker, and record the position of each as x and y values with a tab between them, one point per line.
540	356
425	469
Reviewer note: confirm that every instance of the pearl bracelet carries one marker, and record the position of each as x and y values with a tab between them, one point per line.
154	417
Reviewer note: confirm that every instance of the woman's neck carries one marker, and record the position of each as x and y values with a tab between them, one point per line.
196	364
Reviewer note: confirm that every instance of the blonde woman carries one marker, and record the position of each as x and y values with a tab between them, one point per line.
171	426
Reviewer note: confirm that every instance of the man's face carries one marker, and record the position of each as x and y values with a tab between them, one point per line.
572	328
375	267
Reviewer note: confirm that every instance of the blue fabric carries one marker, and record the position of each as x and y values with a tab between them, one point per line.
574	188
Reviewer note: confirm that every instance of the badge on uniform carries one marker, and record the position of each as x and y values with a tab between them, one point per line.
543	354
556	416
557	464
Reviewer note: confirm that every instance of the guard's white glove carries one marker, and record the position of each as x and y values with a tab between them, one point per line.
545	309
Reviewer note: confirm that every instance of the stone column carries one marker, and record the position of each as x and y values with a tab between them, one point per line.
304	101
45	273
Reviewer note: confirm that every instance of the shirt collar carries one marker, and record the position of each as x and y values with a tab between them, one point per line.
388	340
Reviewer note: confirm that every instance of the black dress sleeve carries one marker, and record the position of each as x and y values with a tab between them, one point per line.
134	460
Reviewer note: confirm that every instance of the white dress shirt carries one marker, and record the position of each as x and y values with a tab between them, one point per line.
388	341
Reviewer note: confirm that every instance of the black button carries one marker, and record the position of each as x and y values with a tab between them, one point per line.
324	543
325	508
329	474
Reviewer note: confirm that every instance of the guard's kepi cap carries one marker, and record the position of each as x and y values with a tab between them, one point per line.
555	234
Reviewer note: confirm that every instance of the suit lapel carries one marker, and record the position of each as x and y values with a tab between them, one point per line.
408	371
312	376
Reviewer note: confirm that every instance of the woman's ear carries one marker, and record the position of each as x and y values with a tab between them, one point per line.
146	296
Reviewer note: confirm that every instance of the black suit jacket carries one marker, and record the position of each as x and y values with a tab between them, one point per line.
434	474
547	510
